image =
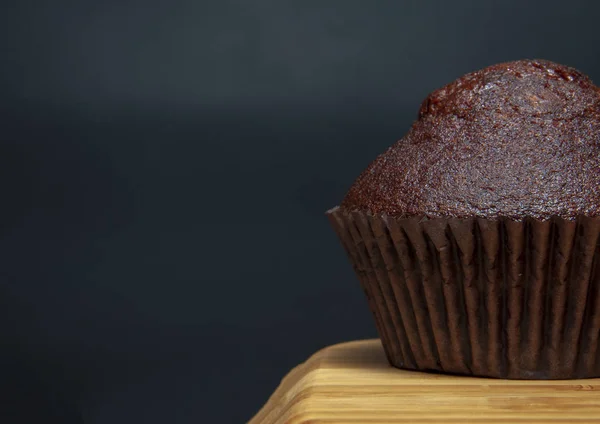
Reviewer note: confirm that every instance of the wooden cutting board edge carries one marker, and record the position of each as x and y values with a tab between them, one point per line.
352	382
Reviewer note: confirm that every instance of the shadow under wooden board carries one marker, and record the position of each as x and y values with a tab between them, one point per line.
353	383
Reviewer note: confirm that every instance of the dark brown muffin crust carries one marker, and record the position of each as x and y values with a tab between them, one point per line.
515	140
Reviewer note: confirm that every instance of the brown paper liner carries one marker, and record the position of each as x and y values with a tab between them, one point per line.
496	298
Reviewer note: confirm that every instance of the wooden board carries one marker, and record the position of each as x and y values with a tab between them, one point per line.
353	383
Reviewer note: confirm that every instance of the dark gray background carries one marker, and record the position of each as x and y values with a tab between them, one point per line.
164	171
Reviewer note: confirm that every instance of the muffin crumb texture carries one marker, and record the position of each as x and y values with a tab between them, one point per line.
514	140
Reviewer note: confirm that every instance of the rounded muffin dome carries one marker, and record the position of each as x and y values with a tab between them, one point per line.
519	139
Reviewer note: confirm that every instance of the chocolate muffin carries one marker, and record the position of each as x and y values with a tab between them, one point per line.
475	237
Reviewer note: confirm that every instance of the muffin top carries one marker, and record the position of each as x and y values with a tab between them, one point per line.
514	140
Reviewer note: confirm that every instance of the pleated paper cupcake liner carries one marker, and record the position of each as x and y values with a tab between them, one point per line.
496	298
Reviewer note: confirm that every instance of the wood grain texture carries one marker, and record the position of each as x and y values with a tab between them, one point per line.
353	383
